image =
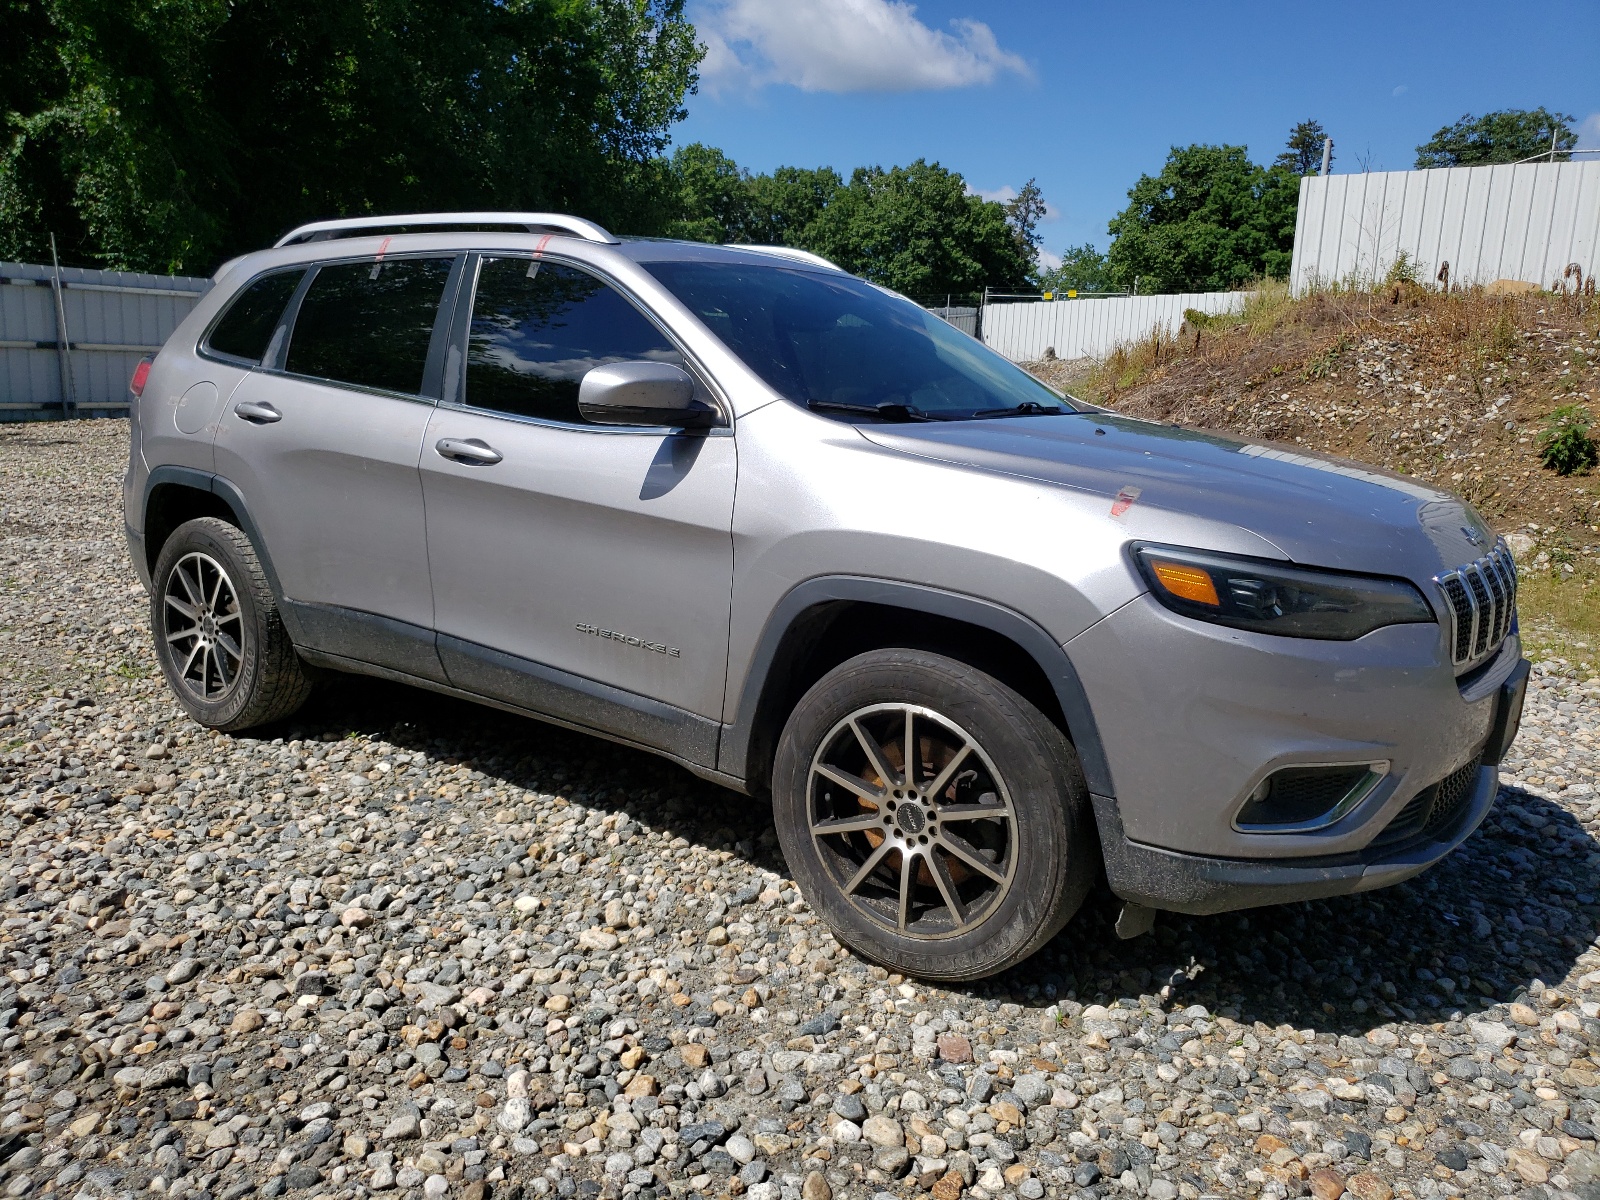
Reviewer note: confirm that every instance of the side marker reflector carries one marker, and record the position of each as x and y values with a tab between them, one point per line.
1187	583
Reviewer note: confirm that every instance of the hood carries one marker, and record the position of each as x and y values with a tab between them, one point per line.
1316	509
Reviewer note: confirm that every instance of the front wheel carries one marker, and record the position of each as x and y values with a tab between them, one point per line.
217	633
937	820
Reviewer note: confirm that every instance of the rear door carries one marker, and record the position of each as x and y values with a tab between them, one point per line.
578	570
323	441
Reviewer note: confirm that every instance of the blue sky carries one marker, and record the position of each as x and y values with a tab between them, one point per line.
1085	98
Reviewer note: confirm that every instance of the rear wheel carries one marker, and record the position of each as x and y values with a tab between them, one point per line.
936	819
218	636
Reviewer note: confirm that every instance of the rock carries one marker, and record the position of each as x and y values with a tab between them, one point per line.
403	1128
953	1048
182	972
515	1115
616	914
850	1108
1367	1186
435	1187
741	1148
694	1055
1493	1035
949	1186
599	939
1327	1184
1523	1015
1530	1168
355	918
883	1131
247	1020
816	1187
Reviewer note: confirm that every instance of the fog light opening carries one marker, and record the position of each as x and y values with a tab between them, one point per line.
1307	797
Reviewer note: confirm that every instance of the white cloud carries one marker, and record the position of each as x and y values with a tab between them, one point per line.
1047	260
1589	132
1006	194
843	46
1401	90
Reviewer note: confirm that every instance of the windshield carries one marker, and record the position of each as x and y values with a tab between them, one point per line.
843	347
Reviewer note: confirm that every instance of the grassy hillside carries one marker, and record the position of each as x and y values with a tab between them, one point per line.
1454	389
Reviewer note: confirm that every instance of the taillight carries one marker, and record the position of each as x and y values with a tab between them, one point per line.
141	373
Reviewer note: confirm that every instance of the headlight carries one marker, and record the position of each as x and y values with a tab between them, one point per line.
1271	597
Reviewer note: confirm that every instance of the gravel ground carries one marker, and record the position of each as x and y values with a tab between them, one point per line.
417	948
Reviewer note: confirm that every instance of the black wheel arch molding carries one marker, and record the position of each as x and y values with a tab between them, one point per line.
230	498
741	750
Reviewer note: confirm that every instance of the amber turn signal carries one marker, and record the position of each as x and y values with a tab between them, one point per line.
1186	583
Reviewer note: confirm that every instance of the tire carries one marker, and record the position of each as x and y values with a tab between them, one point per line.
237	668
926	908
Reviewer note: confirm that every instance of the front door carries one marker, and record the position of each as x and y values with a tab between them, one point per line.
323	442
579	570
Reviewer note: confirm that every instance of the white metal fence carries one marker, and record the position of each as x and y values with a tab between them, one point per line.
1092	328
1525	221
111	318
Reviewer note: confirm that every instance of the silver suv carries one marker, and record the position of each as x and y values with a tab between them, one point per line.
976	640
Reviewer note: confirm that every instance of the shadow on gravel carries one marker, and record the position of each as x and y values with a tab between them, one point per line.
532	755
1513	905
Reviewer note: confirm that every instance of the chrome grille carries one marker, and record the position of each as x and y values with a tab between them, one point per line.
1482	599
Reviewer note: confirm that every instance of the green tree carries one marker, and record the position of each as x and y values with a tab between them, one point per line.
1212	220
1507	136
1302	154
1082	269
1024	211
171	135
916	229
786	205
714	196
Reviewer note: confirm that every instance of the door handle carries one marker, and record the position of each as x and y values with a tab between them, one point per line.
257	413
468	450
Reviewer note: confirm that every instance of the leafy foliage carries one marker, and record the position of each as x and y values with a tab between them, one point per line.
1303	152
1211	221
1024	211
913	228
167	136
1565	445
1082	269
1507	136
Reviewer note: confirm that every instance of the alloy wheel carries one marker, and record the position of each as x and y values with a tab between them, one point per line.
912	820
204	627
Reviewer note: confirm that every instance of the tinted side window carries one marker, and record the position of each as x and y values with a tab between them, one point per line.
247	327
538	327
369	323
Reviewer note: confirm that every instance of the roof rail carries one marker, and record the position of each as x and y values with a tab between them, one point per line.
789	252
318	231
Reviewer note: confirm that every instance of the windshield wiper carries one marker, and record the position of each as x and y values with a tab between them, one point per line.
1028	408
886	412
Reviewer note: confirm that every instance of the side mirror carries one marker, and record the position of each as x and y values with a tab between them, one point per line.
642	393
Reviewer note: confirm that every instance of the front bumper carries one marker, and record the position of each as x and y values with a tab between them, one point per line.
1192	883
1201	885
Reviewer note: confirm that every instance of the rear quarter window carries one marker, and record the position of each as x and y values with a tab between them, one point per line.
246	328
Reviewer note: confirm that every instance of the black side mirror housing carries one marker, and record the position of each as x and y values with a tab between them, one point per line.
642	393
